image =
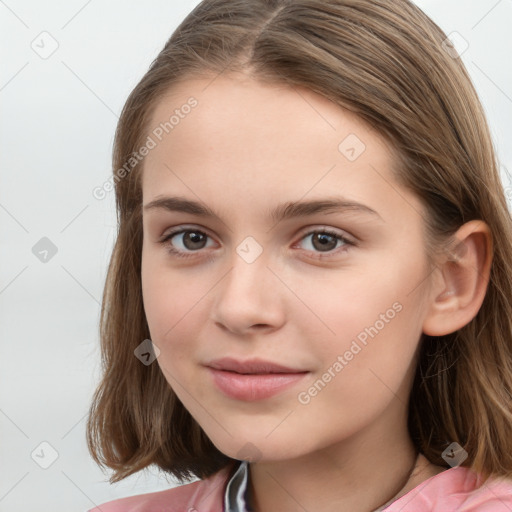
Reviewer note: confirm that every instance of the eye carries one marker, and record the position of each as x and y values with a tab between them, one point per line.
186	241
326	241
183	242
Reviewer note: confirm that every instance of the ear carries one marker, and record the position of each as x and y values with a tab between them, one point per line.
460	280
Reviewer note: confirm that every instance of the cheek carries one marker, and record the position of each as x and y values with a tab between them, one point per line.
172	303
373	322
168	295
163	306
360	376
346	305
166	309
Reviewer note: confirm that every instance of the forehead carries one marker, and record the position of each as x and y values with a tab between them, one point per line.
234	110
252	142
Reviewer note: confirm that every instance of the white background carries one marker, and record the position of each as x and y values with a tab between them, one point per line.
58	117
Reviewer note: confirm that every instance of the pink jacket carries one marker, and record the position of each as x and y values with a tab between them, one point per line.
454	489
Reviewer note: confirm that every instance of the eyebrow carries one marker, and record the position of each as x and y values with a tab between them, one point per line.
284	211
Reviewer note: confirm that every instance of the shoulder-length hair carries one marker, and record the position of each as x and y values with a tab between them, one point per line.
389	63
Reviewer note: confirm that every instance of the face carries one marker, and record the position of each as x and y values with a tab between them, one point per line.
303	262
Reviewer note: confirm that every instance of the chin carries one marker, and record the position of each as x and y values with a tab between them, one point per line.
257	449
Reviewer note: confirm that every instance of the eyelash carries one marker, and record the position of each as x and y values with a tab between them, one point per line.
166	241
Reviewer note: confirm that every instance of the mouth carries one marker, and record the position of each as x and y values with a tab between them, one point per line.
252	380
252	366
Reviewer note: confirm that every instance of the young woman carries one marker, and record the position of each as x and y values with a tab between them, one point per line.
308	303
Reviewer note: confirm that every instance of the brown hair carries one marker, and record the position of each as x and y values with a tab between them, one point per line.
386	61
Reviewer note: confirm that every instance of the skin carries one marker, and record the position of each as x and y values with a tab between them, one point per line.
245	148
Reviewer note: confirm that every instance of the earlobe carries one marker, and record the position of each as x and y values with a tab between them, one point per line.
462	279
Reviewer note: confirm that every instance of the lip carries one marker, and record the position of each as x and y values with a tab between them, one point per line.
254	379
253	366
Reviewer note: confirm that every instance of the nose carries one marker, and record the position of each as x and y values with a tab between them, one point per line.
249	299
